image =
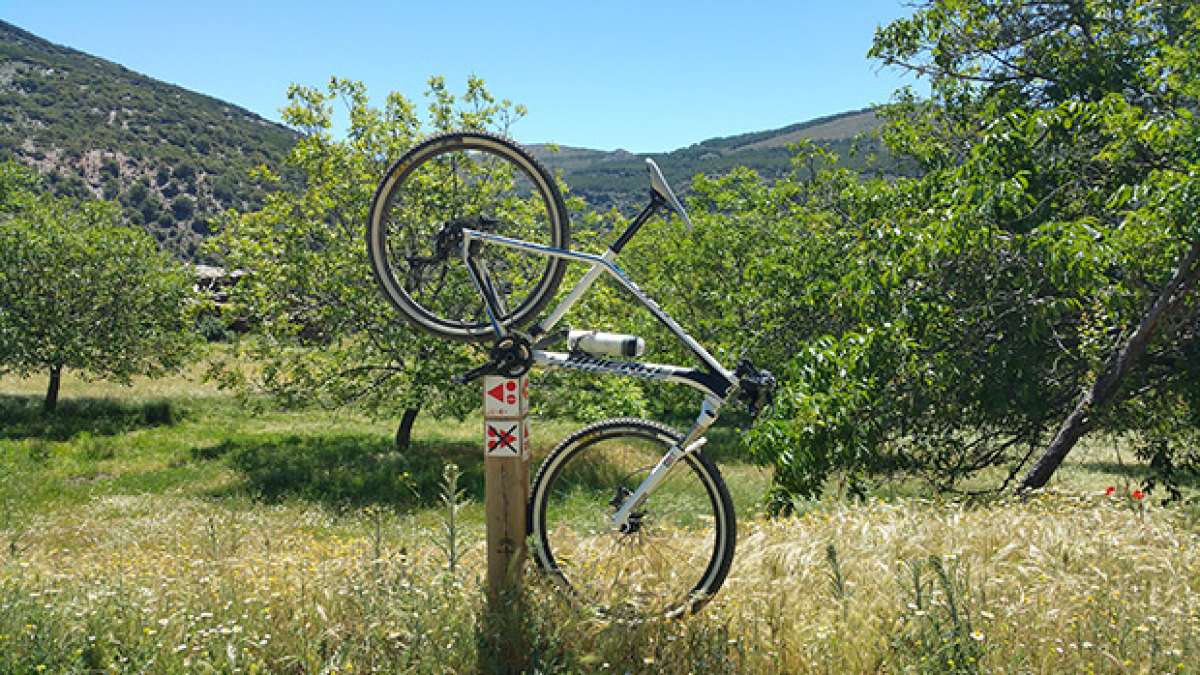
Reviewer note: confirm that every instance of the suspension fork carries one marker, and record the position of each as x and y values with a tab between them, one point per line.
692	442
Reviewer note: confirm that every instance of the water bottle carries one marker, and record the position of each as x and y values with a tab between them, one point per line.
605	344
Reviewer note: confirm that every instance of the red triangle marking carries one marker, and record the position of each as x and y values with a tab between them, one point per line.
497	392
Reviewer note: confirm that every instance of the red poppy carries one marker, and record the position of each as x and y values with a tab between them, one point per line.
1109	490
1138	494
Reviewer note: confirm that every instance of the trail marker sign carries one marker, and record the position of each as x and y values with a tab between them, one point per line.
504	438
505	397
506	477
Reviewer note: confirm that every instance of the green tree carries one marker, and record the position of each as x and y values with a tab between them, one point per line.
17	185
1073	127
183	207
80	291
324	332
1037	280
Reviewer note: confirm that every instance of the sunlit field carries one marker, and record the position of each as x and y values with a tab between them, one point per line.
174	528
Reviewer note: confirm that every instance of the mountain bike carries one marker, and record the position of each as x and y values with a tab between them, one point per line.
468	237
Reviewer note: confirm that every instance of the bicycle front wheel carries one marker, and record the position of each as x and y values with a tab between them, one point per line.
463	180
675	553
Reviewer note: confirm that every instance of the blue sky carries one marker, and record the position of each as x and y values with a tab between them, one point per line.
644	76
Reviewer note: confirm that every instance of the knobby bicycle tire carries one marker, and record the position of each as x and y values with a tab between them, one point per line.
681	553
478	180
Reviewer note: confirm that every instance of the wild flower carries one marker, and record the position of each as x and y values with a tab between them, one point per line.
1137	495
1108	491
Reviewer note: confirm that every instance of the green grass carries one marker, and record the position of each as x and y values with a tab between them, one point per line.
169	527
184	437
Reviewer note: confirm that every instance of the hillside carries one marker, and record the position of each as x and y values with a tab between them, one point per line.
173	158
618	178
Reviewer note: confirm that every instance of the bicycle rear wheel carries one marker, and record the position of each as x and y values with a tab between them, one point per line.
465	180
678	550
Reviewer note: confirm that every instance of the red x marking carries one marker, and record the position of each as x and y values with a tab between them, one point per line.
499	439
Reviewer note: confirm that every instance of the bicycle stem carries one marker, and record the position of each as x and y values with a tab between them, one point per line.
692	442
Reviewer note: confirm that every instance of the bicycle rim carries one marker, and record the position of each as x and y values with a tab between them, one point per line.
478	181
679	550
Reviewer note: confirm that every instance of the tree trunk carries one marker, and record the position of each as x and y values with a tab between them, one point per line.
1119	363
51	402
404	431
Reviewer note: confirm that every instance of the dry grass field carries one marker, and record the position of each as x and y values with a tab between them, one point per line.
172	528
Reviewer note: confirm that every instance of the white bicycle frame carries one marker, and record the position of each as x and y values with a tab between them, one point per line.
717	383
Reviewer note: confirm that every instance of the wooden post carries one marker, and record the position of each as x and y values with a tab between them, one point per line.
506	478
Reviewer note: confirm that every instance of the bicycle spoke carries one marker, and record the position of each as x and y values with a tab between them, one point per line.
668	545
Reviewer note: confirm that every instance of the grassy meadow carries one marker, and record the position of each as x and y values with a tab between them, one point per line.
170	527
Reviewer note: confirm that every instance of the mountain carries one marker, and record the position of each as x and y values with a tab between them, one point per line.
618	178
176	159
173	158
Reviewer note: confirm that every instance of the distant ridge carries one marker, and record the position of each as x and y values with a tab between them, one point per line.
838	127
617	178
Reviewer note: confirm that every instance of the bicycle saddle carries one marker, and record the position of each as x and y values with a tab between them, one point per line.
659	186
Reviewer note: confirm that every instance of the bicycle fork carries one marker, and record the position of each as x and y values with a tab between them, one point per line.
691	443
